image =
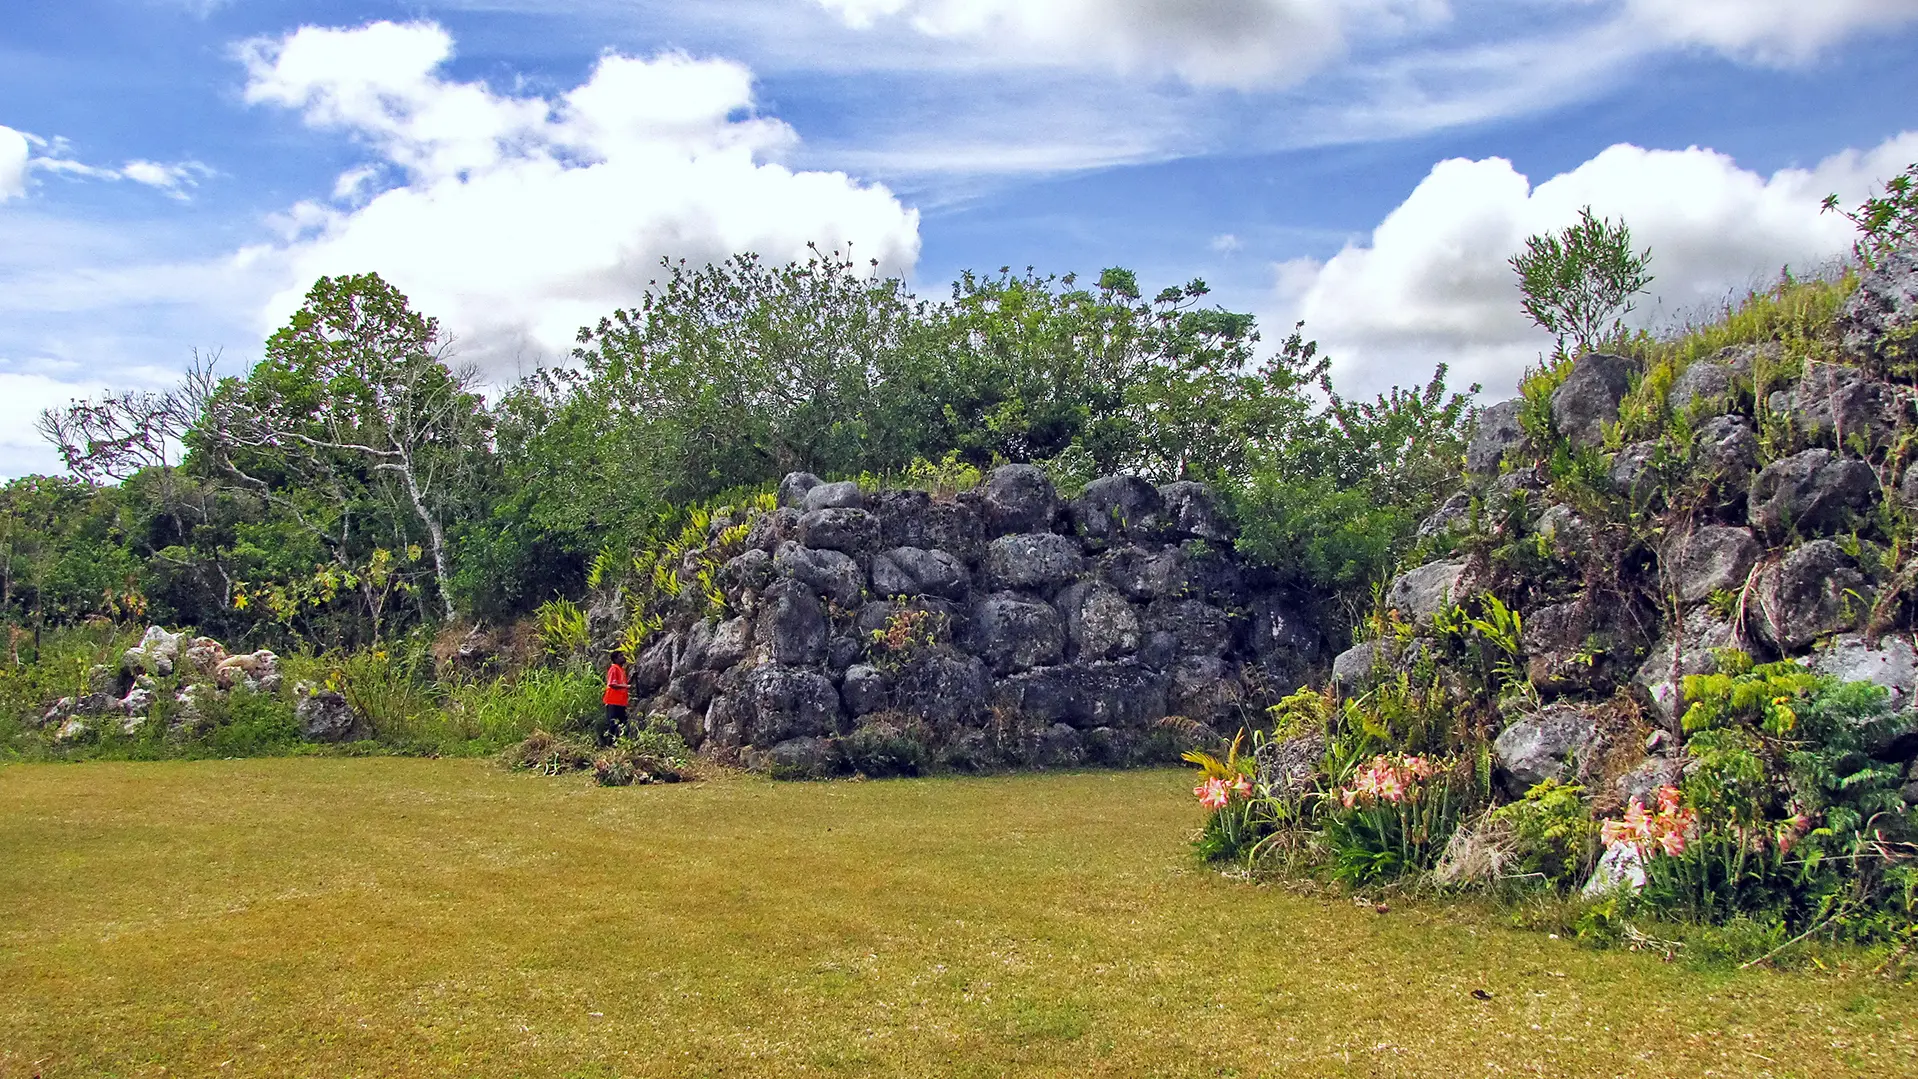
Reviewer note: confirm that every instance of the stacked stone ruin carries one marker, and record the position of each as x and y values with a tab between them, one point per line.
1772	538
1026	629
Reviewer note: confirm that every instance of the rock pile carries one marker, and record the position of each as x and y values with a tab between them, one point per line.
198	670
1004	625
1758	559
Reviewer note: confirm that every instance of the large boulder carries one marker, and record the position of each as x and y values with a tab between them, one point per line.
1040	696
1119	693
1453	514
1420	593
1205	688
1814	591
256	672
1689	648
1569	534
768	530
953	527
851	531
1892	663
1018	498
1360	665
1559	741
155	654
1587	401
1724	453
1704	385
1287	767
1556	640
1011	632
802	758
791	702
1100	624
1190	513
1196	627
865	690
1879	318
844	495
202	657
794	488
1811	492
730	643
1033	561
1113	508
325	716
1840	404
944	688
791	626
915	571
1708	559
833	574
1497	434
1635	472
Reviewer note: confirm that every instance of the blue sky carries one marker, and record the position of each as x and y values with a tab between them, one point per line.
173	173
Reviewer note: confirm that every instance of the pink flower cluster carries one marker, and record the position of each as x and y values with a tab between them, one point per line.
1388	778
1668	829
1215	792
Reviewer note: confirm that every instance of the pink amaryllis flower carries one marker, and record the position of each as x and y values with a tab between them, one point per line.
1213	793
1667	830
1241	786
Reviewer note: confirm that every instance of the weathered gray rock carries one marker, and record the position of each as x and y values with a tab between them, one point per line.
791	626
1842	405
1908	487
794	488
1725	452
325	716
844	495
1878	320
1120	693
1559	741
865	690
1453	514
1811	492
791	702
1113	508
952	527
694	689
833	574
256	672
1511	488
1498	432
1555	640
1033	561
1205	688
203	656
155	654
1587	401
1278	628
1420	593
1190	512
1287	768
1041	696
914	571
851	531
1893	664
1702	386
769	530
138	705
1197	627
731	641
803	758
1641	784
1010	632
1360	665
1813	592
1707	559
1059	746
1635	471
1100	624
1570	535
945	689
1018	498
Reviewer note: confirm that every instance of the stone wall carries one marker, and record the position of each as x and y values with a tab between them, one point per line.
1003	626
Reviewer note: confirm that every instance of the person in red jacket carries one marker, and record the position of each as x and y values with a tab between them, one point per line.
616	698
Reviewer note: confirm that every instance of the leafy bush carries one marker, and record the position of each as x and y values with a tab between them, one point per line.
548	754
888	746
1578	282
1552	834
1394	818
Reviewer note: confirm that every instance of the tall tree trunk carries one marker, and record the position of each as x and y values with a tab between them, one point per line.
435	536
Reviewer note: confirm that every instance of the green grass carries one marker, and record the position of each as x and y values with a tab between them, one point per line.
385	916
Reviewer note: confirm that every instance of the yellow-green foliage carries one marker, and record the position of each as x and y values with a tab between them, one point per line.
479	922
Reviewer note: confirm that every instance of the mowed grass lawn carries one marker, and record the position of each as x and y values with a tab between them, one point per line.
387	917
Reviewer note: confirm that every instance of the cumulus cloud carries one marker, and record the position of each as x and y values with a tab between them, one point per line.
13	163
1769	31
1432	284
518	219
1236	43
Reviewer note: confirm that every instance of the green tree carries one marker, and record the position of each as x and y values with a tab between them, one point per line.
1578	282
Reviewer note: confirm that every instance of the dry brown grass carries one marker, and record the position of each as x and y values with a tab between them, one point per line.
383	917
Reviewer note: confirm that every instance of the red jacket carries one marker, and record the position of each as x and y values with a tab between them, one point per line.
616	685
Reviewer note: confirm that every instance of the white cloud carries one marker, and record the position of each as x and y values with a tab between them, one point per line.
22	397
520	219
1233	43
1226	243
1432	283
13	164
1769	31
